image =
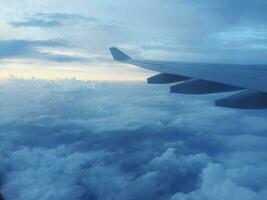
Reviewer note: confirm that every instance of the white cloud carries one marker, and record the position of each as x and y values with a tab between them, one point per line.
216	185
75	140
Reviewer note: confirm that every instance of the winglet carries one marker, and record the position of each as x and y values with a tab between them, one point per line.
118	54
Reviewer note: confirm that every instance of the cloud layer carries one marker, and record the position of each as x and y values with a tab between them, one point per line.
88	140
30	49
50	20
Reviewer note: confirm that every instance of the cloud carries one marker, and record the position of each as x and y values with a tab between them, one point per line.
225	31
50	20
92	140
216	185
36	23
211	31
86	140
239	12
13	48
58	19
29	49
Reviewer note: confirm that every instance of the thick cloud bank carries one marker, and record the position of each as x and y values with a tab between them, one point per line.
83	140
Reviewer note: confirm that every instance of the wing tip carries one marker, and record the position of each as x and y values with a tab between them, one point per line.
118	54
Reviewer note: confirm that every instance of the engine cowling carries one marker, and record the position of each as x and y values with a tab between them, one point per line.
201	87
164	78
244	100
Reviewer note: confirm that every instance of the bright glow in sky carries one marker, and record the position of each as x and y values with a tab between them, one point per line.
64	39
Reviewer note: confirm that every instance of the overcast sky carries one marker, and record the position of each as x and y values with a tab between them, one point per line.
57	39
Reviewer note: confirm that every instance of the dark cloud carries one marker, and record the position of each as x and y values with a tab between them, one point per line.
88	140
14	48
236	11
207	31
54	19
36	23
29	49
66	17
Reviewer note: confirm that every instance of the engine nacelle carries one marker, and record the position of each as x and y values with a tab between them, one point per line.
201	87
164	78
244	100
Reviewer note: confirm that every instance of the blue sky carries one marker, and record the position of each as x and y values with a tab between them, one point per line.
57	39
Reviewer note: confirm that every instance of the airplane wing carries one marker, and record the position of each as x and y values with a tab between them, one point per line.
250	81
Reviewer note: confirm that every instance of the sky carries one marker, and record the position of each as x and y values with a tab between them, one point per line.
70	39
75	125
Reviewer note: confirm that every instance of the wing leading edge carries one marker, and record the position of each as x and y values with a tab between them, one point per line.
208	78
